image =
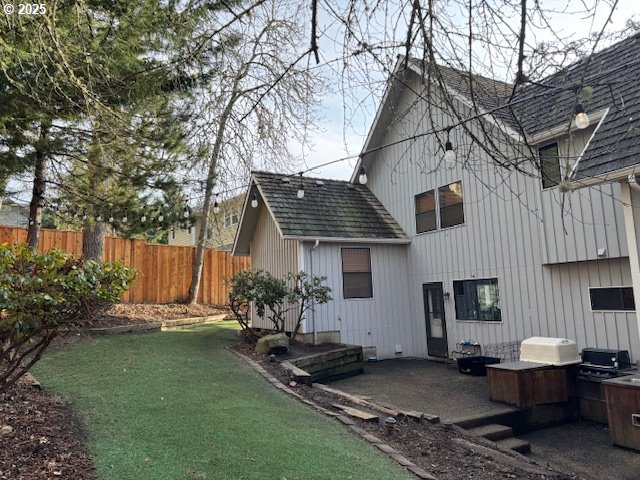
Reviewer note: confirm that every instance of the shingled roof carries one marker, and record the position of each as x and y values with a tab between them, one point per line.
539	108
329	209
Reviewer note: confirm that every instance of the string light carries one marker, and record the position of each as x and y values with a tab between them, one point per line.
161	218
185	213
582	119
301	188
111	219
125	219
449	152
216	207
362	178
254	201
98	218
143	218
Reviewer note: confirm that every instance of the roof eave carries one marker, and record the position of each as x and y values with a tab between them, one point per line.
311	238
621	175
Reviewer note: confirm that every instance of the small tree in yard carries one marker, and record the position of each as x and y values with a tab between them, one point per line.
43	293
298	290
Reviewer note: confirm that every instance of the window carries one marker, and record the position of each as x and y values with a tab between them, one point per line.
451	211
612	298
426	211
550	165
230	219
477	300
356	273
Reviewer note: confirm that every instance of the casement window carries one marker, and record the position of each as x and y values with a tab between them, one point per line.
612	299
550	165
441	208
451	210
356	273
426	211
477	300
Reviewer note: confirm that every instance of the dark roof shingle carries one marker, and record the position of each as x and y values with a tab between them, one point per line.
329	209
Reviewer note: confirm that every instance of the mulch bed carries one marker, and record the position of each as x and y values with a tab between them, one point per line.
446	452
42	438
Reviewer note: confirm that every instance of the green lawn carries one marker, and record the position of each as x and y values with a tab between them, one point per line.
177	405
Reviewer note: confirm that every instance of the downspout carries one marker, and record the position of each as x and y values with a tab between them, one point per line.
312	309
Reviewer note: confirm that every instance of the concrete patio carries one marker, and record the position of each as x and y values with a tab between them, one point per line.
583	448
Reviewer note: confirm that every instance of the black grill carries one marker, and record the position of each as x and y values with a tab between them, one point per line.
599	363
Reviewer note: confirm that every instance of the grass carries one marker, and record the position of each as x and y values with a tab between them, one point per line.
177	405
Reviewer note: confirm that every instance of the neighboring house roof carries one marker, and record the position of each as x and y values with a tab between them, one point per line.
547	108
330	209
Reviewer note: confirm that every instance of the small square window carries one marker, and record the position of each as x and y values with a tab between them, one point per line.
550	165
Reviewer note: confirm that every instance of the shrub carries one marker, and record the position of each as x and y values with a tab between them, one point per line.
274	297
43	293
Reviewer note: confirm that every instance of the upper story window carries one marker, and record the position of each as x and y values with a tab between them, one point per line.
426	211
356	273
451	210
550	165
441	207
230	219
477	300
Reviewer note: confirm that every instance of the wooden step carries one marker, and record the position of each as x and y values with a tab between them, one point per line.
515	444
492	431
353	412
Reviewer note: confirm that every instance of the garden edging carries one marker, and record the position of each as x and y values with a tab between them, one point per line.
375	441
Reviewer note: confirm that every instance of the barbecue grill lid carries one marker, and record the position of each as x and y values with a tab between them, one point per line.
606	358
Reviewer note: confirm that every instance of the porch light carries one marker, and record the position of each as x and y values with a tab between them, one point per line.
254	201
301	188
216	207
362	178
582	119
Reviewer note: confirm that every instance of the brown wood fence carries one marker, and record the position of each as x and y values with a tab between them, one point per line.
164	271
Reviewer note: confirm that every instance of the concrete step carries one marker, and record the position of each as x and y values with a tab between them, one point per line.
508	416
515	444
492	431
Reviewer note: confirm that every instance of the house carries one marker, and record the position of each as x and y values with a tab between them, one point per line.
480	252
222	226
13	214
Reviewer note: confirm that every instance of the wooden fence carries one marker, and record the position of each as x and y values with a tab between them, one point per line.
164	271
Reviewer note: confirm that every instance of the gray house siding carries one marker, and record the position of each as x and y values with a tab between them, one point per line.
383	321
270	252
512	231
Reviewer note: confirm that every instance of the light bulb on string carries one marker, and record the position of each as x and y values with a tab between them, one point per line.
125	219
161	218
84	216
582	119
111	219
143	218
185	213
301	188
216	206
362	177
98	218
254	201
449	152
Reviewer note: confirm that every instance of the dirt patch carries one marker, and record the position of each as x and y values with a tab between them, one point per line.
446	452
40	438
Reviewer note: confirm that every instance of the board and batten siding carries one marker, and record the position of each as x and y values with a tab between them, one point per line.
271	253
383	321
506	235
578	224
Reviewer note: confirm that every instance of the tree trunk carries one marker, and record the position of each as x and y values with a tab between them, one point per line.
93	240
196	272
38	191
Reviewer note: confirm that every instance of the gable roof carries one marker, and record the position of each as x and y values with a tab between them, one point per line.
543	109
331	210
